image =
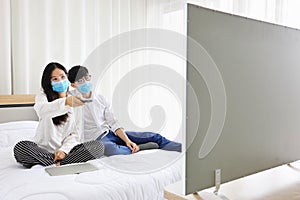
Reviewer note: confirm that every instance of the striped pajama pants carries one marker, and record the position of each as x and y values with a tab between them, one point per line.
29	153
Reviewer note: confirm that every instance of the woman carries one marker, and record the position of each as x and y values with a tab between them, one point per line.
57	138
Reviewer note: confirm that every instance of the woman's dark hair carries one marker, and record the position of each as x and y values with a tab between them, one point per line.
47	87
77	72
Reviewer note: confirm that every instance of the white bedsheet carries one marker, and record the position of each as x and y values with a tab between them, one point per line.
125	177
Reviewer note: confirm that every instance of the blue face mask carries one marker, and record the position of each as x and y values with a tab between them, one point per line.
85	87
60	86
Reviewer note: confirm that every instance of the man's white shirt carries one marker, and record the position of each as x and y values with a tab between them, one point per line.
97	116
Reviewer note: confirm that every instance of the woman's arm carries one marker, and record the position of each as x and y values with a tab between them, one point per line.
45	109
55	108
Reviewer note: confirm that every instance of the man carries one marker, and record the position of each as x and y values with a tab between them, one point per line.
101	124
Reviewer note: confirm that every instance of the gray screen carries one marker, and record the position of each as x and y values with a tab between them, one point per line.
259	66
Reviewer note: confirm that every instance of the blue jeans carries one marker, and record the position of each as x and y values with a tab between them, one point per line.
116	146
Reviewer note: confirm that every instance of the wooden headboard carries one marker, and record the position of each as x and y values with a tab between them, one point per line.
17	108
16	100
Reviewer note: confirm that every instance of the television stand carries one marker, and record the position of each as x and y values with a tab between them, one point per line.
278	183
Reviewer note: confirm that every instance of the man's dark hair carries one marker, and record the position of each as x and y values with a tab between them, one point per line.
76	73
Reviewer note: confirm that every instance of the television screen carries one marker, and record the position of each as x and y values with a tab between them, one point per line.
243	96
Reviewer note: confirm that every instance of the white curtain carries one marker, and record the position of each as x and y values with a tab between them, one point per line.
5	48
68	31
64	31
284	12
35	32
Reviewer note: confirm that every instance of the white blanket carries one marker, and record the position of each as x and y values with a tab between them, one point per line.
137	176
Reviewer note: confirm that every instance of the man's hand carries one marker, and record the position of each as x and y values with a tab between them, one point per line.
134	148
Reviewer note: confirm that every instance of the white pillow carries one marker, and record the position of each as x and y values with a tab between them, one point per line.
13	132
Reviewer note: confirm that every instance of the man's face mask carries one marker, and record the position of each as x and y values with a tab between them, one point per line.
85	87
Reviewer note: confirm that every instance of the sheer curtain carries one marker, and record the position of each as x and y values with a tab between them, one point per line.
5	48
35	32
284	12
64	31
69	31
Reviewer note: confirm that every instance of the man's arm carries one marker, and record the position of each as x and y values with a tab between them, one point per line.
121	134
115	126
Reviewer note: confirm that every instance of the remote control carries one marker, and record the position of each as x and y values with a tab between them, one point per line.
86	100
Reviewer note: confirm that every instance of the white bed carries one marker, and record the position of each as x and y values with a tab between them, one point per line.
137	176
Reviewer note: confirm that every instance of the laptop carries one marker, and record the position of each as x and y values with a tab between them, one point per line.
75	168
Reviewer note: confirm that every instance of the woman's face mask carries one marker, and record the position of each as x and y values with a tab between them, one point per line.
85	87
60	86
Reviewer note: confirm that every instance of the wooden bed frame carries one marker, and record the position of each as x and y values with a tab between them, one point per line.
17	107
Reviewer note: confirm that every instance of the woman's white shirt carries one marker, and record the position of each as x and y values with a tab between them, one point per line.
55	137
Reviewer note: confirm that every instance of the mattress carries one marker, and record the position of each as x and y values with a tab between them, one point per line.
126	177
